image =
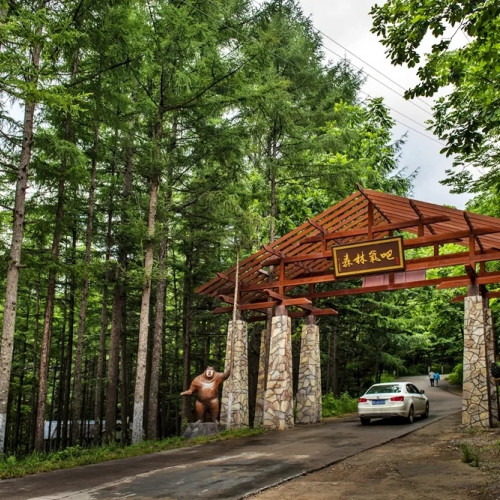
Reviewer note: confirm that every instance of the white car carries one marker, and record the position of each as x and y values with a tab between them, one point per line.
393	399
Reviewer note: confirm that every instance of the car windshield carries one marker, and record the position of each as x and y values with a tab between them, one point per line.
383	389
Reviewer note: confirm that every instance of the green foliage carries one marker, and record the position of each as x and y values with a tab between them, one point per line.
467	118
456	376
336	407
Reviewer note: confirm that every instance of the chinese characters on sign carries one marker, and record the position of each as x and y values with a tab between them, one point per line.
368	257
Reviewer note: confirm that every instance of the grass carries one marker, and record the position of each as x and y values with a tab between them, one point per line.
74	456
469	455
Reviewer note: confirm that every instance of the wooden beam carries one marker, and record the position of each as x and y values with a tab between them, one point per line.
380	228
258	305
454	282
421	219
423	263
449	237
274	295
319	227
270	249
381	212
226	298
225	277
221	310
471	273
488	278
488	295
460	281
471	226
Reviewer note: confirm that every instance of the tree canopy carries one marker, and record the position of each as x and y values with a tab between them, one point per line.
462	61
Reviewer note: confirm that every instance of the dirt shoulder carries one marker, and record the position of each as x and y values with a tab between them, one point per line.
424	464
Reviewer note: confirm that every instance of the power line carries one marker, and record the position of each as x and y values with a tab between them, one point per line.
369	65
377	80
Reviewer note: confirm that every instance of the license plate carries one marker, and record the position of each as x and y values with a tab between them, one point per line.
378	402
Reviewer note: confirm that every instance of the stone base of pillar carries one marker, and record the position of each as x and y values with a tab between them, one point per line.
308	406
260	401
278	412
234	404
476	397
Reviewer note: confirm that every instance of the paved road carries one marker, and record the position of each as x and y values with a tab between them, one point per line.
230	470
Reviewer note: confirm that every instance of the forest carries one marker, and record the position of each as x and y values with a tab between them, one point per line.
146	145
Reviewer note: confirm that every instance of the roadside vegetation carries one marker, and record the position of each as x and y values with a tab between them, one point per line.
74	456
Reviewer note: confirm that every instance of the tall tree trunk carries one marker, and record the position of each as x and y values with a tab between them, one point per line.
186	330
47	325
156	352
140	377
71	331
12	281
77	390
36	338
125	376
49	310
101	357
272	154
118	308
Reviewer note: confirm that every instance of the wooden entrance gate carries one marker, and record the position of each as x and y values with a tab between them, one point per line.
365	235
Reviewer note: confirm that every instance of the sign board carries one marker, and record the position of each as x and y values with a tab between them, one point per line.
368	257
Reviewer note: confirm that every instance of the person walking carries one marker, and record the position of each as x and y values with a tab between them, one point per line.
431	378
436	378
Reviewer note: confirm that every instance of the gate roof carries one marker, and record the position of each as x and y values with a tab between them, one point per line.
286	271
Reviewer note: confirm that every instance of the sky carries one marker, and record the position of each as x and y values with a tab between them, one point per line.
345	26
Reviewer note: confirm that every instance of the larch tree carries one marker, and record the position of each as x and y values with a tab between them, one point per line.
28	30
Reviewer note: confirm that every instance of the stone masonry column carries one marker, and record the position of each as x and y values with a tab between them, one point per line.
476	408
308	409
490	358
278	413
234	403
260	400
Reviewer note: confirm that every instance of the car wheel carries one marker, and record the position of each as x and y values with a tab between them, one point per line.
364	420
426	412
411	416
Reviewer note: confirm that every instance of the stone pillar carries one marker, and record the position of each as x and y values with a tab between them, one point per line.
476	409
490	358
308	409
278	412
260	400
234	403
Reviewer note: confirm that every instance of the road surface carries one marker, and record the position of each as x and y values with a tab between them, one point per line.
231	469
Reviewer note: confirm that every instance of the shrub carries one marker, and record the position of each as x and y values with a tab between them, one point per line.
334	407
456	376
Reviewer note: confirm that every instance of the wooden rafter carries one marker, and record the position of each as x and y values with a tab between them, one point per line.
421	218
473	232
